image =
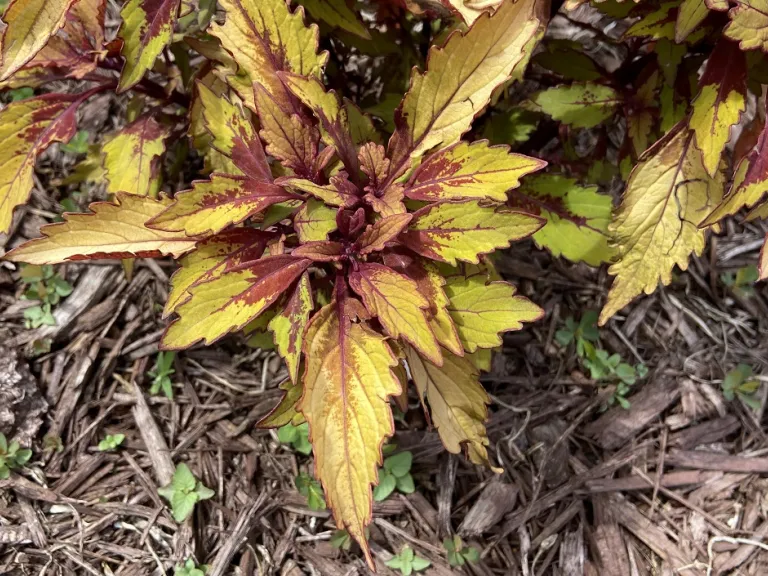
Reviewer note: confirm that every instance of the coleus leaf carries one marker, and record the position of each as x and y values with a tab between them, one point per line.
748	25
481	311
347	385
110	231
211	258
450	231
323	251
577	217
720	102
442	102
199	130
314	221
29	26
27	128
377	235
212	205
690	14
642	111
579	105
466	170
233	134
132	158
285	412
400	307
337	193
669	193
470	10
231	299
336	14
147	28
457	402
658	24
290	323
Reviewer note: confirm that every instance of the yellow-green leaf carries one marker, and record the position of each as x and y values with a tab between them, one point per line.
720	102
230	300
377	235
577	217
133	157
337	14
579	105
110	231
470	10
199	133
659	24
450	231
749	24
474	170
285	412
690	14
314	221
669	193
29	26
146	30
458	403
337	193
461	75
347	385
481	311
290	324
213	205
27	128
400	307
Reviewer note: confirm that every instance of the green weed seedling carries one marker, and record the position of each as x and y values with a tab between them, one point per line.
78	144
296	436
458	554
111	442
161	375
311	490
12	456
184	492
189	568
46	286
395	474
739	382
407	562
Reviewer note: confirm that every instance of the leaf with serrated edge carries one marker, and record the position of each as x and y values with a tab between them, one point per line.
323	251
474	170
199	132
314	221
481	312
146	30
328	193
461	75
285	412
337	14
450	231
468	12
234	134
347	385
395	299
749	24
579	105
668	195
212	205
26	129
132	158
457	402
264	38
29	26
212	257
111	231
690	14
290	324
385	230
389	202
720	102
577	217
659	24
229	301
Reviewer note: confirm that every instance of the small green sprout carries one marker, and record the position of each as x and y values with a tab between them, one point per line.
161	374
12	456
395	474
296	436
189	568
111	442
184	492
78	144
407	562
740	382
458	554
742	281
311	490
47	287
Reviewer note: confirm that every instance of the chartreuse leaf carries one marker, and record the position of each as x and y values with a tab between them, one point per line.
230	300
212	257
457	402
474	170
690	14
450	231
347	385
199	131
332	194
749	24
290	323
470	10
110	231
642	116
658	25
212	205
132	158
400	307
146	29
377	235
314	221
577	217
233	134
337	14
481	312
669	193
29	26
265	37
579	105
26	129
285	412
720	102
460	77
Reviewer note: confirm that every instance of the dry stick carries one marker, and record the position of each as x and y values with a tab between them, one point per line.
245	523
153	438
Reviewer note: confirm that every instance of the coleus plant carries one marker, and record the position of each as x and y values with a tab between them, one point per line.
369	264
